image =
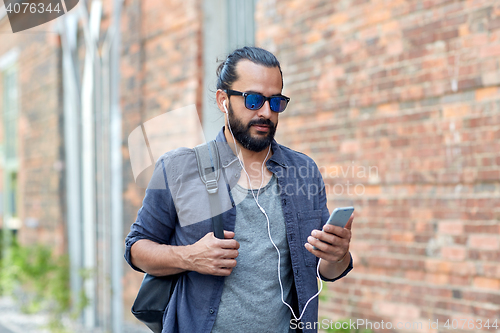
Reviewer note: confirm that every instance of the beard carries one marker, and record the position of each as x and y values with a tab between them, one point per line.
242	134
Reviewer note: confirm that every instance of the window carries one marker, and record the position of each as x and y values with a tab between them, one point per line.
10	143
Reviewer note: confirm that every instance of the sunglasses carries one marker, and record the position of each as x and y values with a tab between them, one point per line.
254	101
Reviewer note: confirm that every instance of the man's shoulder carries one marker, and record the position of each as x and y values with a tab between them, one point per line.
178	161
296	158
177	155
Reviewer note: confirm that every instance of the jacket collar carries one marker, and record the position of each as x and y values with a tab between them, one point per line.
228	157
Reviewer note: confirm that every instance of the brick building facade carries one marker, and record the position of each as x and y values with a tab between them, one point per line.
398	103
411	88
31	104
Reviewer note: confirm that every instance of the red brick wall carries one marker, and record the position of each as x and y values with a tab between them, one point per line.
40	133
370	83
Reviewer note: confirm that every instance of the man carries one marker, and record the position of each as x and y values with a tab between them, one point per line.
273	217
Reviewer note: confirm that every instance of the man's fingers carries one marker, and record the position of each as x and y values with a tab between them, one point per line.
318	253
325	237
323	241
327	242
226	263
333	229
230	254
349	223
321	246
337	231
223	272
224	267
228	234
325	251
229	244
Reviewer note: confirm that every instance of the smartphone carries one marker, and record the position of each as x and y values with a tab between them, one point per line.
339	217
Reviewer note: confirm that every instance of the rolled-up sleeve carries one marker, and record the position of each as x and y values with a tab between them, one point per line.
157	217
347	270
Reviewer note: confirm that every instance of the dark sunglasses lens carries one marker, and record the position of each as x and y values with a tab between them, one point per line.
278	104
254	101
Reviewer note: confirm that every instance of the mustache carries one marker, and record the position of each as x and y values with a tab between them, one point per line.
265	122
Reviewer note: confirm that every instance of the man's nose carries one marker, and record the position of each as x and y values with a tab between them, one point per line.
265	111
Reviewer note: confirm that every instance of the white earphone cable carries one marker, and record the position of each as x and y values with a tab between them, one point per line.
268	223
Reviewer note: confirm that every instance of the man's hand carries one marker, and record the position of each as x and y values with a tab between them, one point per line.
332	243
213	256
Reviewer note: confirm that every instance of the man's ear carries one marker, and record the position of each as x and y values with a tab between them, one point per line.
221	99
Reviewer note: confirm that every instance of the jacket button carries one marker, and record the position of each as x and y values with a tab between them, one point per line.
284	201
212	311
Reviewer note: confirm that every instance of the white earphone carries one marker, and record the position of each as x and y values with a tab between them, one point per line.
268	223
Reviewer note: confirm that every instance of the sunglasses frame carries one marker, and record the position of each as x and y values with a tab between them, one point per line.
230	92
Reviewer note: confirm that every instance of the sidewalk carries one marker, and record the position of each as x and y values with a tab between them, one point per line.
12	320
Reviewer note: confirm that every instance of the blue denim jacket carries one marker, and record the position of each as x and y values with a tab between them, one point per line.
165	218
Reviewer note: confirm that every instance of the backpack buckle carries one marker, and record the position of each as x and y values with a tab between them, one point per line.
211	186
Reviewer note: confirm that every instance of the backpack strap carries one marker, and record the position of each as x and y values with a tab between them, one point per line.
207	157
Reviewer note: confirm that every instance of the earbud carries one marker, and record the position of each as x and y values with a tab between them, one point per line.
224	104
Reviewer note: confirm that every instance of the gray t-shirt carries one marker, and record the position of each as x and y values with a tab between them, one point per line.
251	298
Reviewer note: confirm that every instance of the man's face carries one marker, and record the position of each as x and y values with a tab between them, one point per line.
254	129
